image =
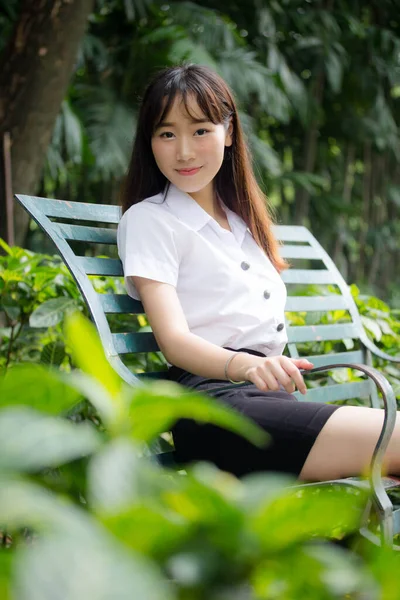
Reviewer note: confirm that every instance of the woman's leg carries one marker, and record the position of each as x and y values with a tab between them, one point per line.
345	445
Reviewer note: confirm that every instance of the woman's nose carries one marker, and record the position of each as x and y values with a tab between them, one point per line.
185	150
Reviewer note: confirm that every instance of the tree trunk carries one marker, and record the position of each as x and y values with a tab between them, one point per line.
365	214
35	71
348	178
302	205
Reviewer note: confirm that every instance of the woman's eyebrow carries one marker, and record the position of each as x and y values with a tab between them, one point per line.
169	124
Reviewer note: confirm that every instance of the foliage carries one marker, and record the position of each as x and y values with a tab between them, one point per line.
87	497
318	88
37	291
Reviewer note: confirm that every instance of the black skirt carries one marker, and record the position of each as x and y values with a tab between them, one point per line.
293	427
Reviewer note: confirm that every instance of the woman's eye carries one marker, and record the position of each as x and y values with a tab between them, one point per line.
204	130
167	134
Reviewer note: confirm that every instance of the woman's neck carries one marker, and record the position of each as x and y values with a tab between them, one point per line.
208	200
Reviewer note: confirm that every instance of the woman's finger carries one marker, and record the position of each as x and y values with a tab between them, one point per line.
258	382
263	371
302	363
295	374
283	377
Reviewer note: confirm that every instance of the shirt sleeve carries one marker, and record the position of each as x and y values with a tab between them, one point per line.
146	246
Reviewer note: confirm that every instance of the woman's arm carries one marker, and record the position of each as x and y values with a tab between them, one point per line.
194	354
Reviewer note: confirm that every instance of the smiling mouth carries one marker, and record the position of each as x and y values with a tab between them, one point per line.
188	171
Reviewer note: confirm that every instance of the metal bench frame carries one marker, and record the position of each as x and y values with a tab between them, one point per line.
43	210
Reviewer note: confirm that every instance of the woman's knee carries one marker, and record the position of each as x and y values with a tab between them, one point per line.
345	445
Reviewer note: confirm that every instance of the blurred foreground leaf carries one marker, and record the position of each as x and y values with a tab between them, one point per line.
156	407
88	353
30	441
38	387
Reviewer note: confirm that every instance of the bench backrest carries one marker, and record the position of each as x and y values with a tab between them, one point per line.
66	222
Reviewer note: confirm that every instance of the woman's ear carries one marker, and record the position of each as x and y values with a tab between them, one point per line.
229	133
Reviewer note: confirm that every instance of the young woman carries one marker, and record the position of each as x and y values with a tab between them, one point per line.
197	249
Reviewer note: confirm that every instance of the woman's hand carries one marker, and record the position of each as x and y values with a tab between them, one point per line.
270	373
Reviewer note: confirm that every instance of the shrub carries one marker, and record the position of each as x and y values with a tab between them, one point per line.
87	515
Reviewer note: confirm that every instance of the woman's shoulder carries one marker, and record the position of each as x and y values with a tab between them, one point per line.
153	207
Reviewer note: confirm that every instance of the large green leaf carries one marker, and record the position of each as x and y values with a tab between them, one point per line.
149	529
6	564
116	476
31	441
52	312
74	568
89	355
154	408
308	512
205	498
75	558
41	388
313	572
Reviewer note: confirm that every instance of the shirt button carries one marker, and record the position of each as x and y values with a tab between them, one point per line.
280	327
245	265
267	295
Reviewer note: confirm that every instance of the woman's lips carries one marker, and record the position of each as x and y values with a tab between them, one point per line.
189	171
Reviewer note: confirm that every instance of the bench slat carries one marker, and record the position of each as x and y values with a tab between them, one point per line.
323	360
120	303
339	391
134	342
319	333
291	251
292	233
304	276
74	211
80	233
100	266
316	303
153	375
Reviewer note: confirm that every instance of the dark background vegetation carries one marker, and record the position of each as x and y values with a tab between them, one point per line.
317	81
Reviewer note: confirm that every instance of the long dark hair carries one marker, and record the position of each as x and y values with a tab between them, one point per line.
235	182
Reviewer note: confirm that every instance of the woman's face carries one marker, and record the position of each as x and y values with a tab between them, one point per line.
189	152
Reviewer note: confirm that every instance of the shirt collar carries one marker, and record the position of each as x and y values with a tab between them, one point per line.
187	210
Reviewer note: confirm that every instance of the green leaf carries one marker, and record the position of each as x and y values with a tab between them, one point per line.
98	566
6	564
72	568
315	572
88	353
349	343
205	499
307	512
53	353
30	441
24	504
154	408
149	529
38	387
51	312
114	476
5	247
334	69
97	395
372	326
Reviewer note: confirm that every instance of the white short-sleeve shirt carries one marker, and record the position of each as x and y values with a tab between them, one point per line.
230	292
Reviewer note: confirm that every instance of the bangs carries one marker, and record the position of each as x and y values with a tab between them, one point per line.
212	104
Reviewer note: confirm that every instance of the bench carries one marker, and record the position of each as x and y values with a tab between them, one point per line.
69	224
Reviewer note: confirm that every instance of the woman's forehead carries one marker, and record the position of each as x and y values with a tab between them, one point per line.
184	108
